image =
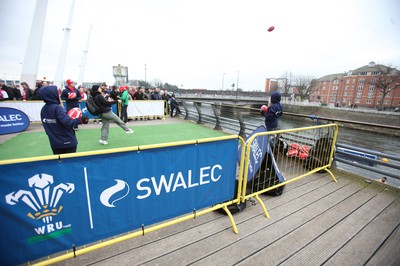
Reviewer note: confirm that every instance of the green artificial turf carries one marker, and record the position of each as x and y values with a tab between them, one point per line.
31	144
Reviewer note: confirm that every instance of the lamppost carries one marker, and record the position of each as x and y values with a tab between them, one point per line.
223	77
237	84
145	78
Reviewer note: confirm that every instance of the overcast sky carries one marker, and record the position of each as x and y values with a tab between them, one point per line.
192	43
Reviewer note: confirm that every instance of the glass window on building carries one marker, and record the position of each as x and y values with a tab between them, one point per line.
360	88
371	88
368	101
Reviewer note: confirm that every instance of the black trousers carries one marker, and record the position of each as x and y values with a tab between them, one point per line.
124	113
66	150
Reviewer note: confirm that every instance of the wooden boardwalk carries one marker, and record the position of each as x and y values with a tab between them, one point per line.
314	222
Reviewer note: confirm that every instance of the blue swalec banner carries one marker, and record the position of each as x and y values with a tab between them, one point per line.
12	120
258	149
47	206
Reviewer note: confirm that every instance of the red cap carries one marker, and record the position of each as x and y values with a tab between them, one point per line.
69	81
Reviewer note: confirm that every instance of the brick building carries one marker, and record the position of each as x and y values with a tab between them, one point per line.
359	87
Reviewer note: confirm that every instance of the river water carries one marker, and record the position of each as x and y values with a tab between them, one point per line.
377	141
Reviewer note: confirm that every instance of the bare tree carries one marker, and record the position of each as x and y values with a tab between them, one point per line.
158	83
304	87
387	81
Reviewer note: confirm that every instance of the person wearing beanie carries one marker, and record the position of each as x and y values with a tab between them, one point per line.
71	96
56	122
273	111
106	114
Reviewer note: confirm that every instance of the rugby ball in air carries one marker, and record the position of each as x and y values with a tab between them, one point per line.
271	28
75	113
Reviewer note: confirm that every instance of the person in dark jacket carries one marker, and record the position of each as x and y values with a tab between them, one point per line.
106	114
273	111
27	93
9	90
71	96
56	122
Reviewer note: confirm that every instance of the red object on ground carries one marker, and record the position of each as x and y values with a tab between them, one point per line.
292	153
302	155
271	28
295	146
75	113
305	149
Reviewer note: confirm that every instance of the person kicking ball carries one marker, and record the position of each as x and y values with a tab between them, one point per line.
106	114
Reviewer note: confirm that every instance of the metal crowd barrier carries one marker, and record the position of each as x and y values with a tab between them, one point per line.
290	155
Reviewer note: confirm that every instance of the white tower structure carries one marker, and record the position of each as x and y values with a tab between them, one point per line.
32	54
58	77
84	59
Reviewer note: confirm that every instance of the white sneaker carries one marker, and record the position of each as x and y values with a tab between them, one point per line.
104	142
130	131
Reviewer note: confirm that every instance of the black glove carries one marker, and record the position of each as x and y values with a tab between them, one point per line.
85	119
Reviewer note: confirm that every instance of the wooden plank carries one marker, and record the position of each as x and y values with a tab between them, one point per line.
225	249
324	214
256	246
325	246
389	252
368	241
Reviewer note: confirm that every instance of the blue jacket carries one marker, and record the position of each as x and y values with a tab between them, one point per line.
71	103
55	120
274	112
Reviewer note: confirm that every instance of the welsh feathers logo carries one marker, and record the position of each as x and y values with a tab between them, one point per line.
43	200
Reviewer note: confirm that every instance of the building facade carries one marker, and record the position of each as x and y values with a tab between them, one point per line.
358	87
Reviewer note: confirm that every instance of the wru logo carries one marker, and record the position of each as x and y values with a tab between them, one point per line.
44	199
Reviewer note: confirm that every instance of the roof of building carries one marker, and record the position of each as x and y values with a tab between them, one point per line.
371	67
332	77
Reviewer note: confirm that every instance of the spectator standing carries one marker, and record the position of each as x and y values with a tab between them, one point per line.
71	96
7	89
139	94
156	94
106	114
27	93
17	93
132	92
174	105
124	103
82	91
56	122
146	94
114	93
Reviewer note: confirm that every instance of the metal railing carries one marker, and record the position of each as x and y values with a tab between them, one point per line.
230	118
